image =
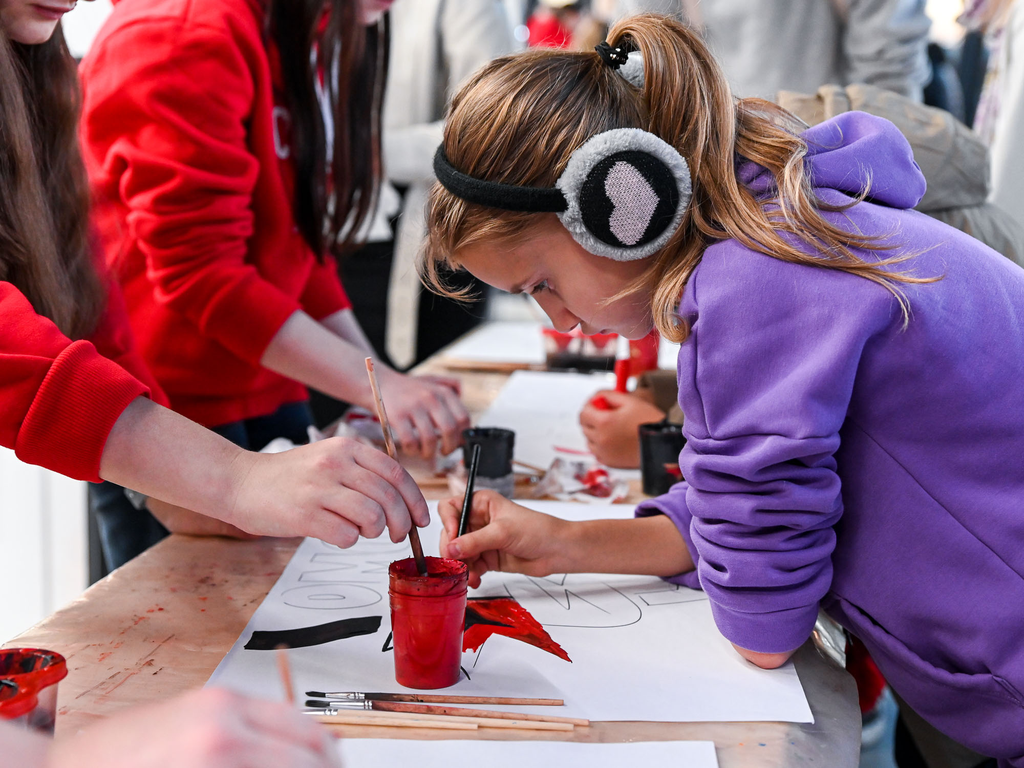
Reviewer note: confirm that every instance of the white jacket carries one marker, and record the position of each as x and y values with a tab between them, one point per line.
435	45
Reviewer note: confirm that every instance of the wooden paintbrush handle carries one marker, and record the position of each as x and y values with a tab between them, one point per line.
438	709
434	698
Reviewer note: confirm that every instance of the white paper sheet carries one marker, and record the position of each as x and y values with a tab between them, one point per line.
641	649
363	753
543	410
501	342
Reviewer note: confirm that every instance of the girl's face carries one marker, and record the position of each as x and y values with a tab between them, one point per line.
372	10
570	284
32	22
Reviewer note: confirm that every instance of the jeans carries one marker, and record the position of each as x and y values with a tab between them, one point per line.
126	532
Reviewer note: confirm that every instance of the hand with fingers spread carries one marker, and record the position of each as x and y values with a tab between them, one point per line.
610	421
425	412
210	728
335	490
503	536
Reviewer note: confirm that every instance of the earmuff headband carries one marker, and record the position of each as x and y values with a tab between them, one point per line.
507	197
622	195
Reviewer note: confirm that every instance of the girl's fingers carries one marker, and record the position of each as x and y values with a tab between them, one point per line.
395	475
421	419
386	497
284	722
329	525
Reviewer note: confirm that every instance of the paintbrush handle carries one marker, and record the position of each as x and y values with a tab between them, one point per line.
389	443
467	499
394	720
433	698
481	722
437	709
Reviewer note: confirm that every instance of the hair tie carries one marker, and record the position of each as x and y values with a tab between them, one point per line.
613	57
629	65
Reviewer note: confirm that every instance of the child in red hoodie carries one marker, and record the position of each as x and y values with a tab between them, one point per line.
65	406
227	172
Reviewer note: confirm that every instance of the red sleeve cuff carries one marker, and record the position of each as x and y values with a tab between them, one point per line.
71	416
324	294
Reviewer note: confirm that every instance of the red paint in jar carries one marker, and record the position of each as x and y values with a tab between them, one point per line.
35	673
428	614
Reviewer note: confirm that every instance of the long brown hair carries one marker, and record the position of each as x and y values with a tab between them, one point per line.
44	199
349	59
521	117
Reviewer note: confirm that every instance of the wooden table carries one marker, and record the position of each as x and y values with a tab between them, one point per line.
161	624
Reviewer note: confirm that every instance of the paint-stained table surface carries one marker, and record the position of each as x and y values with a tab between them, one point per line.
160	625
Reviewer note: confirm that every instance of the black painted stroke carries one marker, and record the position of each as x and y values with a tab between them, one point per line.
268	640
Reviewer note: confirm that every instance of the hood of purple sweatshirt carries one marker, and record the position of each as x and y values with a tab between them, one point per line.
852	152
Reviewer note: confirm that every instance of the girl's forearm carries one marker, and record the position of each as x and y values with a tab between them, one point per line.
649	546
318	357
162	454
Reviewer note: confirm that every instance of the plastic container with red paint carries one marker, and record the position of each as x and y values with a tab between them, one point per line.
428	615
35	673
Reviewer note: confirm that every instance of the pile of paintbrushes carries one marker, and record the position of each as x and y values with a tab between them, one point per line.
432	711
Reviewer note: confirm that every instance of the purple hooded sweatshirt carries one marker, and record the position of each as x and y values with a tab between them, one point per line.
836	458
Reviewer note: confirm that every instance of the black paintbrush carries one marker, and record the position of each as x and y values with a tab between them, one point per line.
467	500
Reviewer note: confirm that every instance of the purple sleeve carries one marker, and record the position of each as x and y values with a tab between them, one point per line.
766	378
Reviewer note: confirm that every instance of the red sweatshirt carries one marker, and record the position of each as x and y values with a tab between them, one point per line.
185	136
59	399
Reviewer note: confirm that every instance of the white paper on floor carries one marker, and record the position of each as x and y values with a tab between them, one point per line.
363	753
641	648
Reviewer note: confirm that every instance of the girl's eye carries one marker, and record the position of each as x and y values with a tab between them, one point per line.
541	286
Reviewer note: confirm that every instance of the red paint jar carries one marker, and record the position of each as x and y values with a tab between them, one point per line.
428	614
35	673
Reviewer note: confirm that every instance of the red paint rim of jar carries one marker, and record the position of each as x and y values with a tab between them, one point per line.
433	584
51	670
16	704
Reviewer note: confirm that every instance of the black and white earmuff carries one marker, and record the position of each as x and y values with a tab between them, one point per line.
622	194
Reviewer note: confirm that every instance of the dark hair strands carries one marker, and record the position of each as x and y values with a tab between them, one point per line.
338	192
506	125
45	248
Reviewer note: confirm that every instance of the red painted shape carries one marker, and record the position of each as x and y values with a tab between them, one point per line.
505	616
601	403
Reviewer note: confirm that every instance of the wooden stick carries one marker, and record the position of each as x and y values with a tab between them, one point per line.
389	443
286	674
392	719
435	709
435	698
482	722
530	467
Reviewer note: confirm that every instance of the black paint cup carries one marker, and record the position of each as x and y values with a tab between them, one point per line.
496	449
660	444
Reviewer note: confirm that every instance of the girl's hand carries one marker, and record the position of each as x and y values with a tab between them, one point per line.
334	490
209	728
425	412
503	536
611	431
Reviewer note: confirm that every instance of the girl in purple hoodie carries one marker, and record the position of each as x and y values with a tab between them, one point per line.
851	371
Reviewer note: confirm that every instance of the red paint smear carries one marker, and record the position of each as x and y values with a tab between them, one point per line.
522	626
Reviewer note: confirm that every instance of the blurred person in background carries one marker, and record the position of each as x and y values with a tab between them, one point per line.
233	150
766	46
435	45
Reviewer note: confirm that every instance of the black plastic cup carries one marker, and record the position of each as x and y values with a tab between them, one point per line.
495	469
496	446
660	444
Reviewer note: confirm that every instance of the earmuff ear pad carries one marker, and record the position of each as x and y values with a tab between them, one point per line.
626	192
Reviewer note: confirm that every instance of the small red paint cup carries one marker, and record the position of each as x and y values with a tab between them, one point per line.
428	615
35	673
